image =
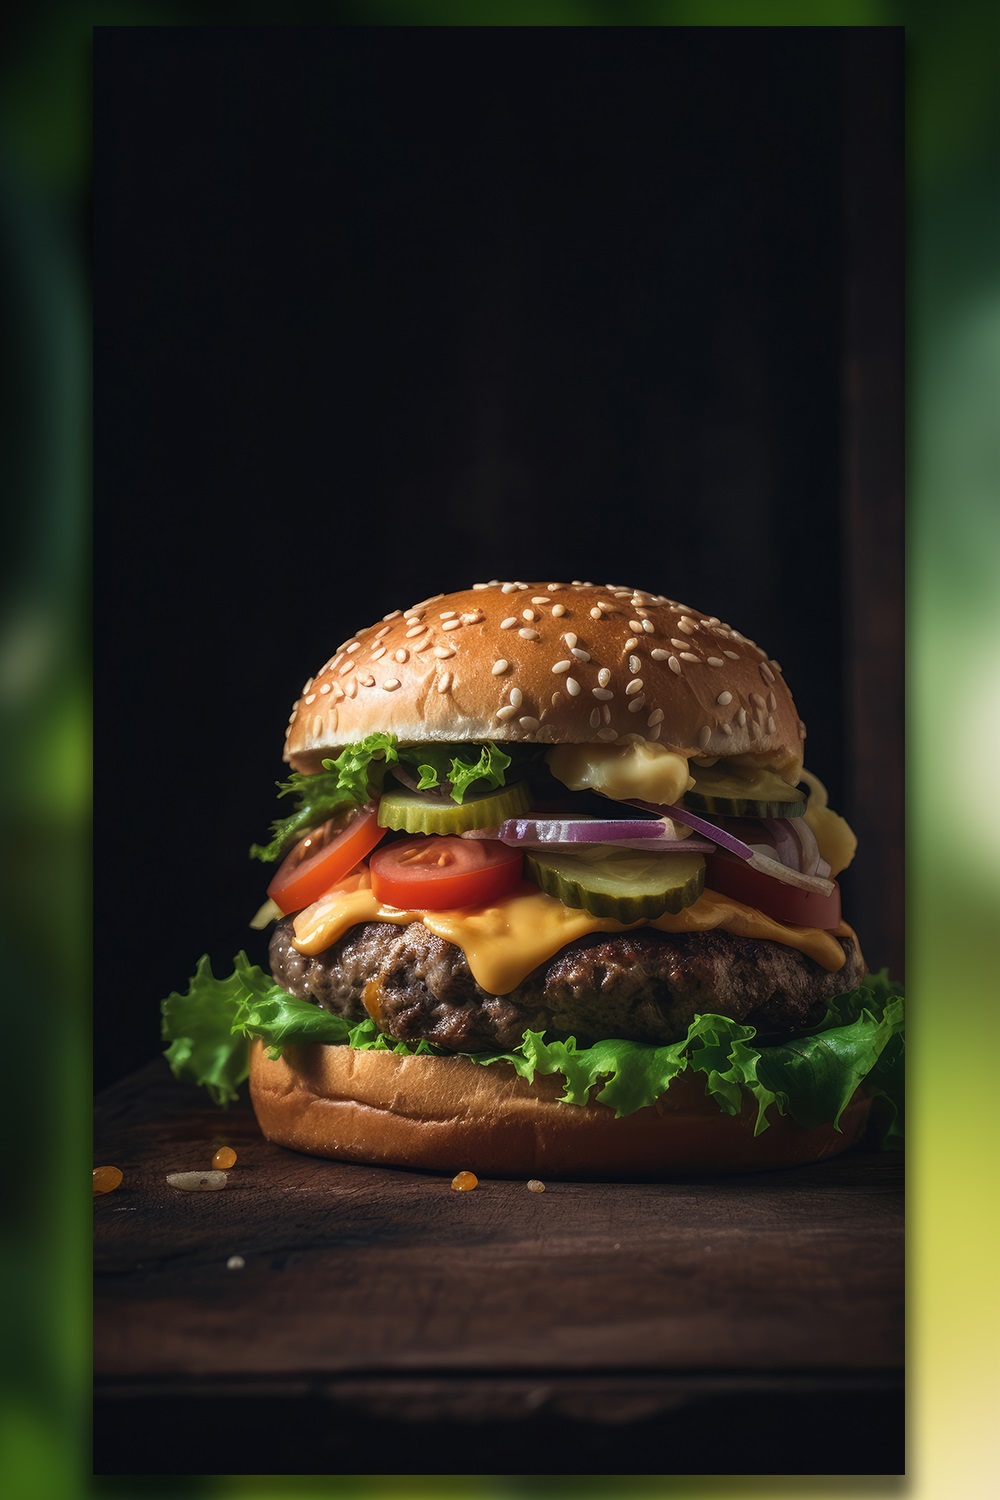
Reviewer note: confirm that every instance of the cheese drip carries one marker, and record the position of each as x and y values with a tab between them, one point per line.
504	942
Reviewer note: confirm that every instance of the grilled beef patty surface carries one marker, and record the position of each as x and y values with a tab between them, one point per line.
643	985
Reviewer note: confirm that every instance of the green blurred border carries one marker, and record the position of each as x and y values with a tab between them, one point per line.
954	677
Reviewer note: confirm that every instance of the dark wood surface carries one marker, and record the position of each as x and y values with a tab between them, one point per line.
735	1325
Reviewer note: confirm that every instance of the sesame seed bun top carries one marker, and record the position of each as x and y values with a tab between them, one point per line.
551	663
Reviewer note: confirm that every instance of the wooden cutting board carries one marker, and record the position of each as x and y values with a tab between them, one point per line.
383	1323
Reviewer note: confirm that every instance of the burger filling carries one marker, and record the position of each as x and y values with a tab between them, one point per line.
614	913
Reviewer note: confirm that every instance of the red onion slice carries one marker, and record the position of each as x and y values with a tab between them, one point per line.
753	857
655	834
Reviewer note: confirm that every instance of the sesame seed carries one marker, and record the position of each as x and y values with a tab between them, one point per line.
448	614
509	623
704	735
444	682
515	696
309	698
347	667
384	631
688	626
541	599
637	703
378	653
443	652
572	686
656	717
688	656
596	614
635	686
391	685
325	688
775	665
570	639
634	664
317	725
416	630
635	625
649	627
529	614
607	734
681	645
659	655
554	588
558	610
757	700
446	625
770	724
766	673
480	585
741	718
394	615
580	654
338	693
528	722
604	676
562	666
674	664
500	667
654	731
602	693
401	655
426	643
772	701
733	655
506	712
632	641
368	681
352	687
605	713
595	718
724	698
508	588
715	661
527	634
354	646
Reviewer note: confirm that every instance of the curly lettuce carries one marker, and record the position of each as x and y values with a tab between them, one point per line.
858	1044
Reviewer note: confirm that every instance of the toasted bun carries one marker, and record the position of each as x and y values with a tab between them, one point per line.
551	664
451	1114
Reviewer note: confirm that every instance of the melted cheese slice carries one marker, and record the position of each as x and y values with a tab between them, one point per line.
640	769
504	942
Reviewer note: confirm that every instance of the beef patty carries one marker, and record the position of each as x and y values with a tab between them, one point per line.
643	985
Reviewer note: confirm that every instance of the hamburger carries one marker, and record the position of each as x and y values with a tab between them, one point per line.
554	894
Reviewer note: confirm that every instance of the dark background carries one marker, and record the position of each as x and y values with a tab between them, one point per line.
379	313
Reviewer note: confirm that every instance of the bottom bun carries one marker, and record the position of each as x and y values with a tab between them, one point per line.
451	1114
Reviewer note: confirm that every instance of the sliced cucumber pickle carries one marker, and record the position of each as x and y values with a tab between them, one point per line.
409	812
729	794
627	884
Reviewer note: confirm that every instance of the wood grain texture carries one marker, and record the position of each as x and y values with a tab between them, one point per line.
388	1296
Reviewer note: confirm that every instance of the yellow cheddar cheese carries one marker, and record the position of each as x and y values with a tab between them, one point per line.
505	941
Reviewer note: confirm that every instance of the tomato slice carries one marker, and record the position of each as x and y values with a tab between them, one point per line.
786	903
434	872
323	857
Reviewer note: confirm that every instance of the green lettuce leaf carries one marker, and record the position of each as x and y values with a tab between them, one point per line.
860	1042
460	766
348	781
199	1027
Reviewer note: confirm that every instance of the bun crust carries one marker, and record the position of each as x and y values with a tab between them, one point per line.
450	1114
551	664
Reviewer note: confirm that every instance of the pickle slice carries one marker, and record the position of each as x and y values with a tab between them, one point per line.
627	884
409	812
760	794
